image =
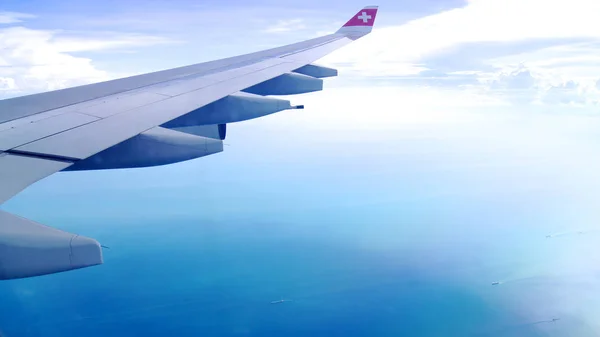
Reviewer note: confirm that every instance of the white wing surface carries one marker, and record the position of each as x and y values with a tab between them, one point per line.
146	120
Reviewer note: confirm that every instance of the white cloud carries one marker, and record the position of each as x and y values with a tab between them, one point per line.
572	25
30	62
96	42
385	107
517	85
283	26
7	84
566	93
517	79
38	60
480	21
14	17
523	85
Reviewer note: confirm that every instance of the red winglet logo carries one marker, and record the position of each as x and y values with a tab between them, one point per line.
364	17
361	23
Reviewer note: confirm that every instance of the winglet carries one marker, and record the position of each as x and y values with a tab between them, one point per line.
360	24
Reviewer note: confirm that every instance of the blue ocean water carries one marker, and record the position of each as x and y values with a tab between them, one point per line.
216	276
396	240
218	279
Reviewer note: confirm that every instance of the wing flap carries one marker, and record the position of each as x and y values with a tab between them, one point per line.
18	172
316	71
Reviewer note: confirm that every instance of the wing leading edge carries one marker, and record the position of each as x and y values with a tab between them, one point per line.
145	120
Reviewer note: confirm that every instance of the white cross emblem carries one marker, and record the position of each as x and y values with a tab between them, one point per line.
364	17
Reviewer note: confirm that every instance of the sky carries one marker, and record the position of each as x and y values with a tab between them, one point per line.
458	135
511	51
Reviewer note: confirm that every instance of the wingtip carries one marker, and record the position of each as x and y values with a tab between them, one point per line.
361	23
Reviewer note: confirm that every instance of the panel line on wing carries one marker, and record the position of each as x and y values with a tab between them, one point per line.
42	156
35	130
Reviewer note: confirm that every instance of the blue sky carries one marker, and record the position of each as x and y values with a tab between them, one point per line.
192	31
512	51
457	136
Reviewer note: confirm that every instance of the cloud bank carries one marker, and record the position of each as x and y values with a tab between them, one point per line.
528	51
34	60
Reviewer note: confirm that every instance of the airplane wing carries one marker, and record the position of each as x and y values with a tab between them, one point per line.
146	120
